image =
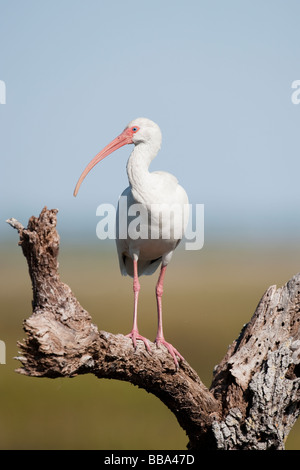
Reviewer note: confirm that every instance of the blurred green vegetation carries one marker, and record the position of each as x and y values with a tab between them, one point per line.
209	295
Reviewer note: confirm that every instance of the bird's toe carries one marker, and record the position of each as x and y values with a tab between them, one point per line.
173	351
134	335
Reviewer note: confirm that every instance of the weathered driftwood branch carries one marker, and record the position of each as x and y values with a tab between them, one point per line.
254	399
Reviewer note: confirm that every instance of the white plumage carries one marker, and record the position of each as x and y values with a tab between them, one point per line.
156	219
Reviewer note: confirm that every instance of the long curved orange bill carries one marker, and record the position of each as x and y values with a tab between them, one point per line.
115	144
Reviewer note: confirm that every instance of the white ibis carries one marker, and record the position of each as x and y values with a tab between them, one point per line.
154	192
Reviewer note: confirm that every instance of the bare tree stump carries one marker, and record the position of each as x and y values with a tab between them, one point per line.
254	398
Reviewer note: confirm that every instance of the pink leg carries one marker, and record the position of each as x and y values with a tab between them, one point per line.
134	335
160	335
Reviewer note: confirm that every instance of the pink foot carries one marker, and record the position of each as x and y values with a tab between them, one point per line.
173	351
134	335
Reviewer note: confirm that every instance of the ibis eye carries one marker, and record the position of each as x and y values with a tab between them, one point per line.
135	129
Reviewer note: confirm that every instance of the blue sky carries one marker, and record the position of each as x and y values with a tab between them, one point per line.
216	76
